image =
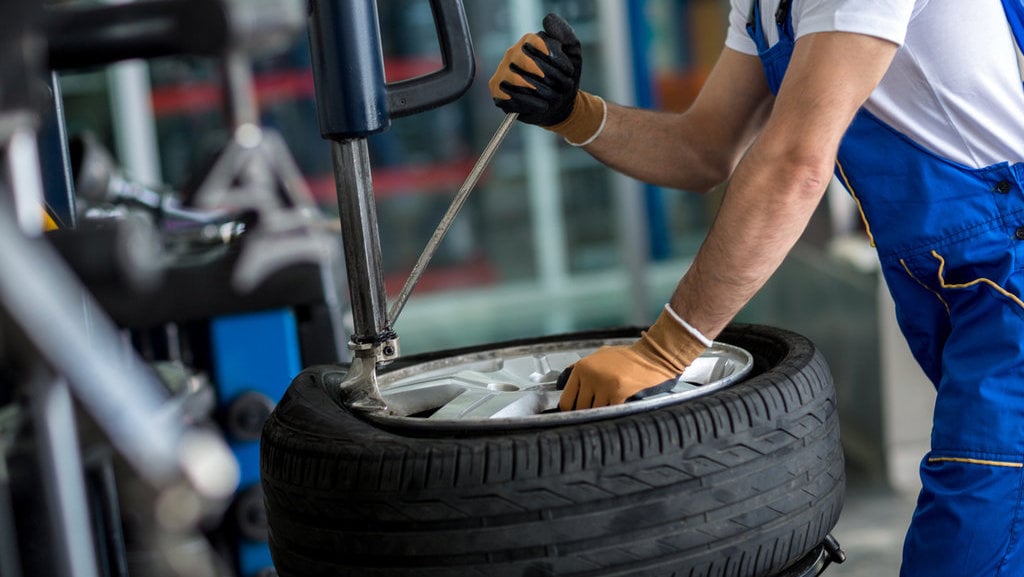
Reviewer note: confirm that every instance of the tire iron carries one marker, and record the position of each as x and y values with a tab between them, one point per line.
449	216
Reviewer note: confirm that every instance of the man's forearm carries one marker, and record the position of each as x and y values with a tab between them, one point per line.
660	148
764	212
698	149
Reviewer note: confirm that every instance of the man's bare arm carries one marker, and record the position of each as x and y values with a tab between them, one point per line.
781	179
697	149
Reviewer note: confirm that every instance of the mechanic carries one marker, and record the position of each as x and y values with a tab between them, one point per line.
918	108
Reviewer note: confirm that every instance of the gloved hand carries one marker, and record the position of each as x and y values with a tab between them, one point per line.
613	374
539	78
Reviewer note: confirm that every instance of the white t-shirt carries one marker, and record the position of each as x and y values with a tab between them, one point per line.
954	86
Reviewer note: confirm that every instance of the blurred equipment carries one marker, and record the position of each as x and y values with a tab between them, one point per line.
128	432
99	182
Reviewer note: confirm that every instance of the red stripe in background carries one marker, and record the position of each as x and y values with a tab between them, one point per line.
271	87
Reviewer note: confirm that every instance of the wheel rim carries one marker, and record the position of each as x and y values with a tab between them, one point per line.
516	386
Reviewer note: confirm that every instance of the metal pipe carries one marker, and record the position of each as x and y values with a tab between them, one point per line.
358	215
75	338
449	216
239	88
631	221
134	121
22	161
63	480
542	158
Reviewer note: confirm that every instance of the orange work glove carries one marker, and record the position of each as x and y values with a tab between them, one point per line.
613	374
539	78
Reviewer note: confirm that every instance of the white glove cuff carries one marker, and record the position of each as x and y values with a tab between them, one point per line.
689	328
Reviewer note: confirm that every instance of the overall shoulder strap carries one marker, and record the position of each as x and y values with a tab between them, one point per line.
783	23
1015	17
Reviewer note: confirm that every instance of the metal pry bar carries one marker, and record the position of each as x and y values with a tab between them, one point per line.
449	216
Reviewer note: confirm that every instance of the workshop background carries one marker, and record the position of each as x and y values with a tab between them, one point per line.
551	241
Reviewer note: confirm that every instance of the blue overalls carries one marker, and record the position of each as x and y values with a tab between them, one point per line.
951	243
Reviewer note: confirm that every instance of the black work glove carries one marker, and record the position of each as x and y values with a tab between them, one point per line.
540	75
539	78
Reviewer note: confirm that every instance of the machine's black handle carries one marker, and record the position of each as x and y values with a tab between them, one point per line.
353	100
86	36
453	79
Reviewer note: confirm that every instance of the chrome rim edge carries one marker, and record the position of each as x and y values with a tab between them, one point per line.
515	387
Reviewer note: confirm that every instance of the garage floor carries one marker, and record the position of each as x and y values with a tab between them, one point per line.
871	529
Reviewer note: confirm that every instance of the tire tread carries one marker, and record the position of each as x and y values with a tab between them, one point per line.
736	484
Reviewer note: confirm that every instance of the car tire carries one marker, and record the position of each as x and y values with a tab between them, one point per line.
742	482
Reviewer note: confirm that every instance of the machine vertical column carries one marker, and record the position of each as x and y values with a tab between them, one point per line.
354	101
361	239
351	97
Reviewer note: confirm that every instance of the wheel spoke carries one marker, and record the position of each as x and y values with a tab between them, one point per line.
487	404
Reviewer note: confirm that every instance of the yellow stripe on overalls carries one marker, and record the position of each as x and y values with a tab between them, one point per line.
925	287
989	282
860	208
976	462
